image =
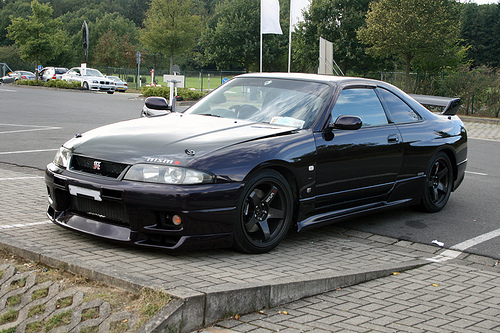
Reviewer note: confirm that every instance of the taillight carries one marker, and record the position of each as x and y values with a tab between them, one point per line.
54	77
125	84
23	77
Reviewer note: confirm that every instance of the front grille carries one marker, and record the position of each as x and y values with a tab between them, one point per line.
97	167
113	212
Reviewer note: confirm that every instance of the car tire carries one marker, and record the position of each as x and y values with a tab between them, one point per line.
110	92
438	183
264	213
85	85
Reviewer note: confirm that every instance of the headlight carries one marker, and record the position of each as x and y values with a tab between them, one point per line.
167	175
62	157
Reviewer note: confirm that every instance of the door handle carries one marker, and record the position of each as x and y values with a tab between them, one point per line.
393	138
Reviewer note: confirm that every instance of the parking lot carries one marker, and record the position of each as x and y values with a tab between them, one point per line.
444	290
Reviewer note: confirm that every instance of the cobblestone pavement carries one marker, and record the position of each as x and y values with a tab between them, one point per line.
456	295
440	297
484	131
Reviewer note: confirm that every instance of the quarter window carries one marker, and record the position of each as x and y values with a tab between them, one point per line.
399	111
361	102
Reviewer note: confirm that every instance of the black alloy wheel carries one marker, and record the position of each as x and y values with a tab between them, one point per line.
264	213
438	184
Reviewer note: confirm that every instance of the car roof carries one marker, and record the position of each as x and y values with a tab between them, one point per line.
314	77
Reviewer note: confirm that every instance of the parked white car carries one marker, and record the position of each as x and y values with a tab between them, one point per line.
90	78
52	73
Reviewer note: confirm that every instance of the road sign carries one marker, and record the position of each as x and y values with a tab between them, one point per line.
138	55
177	80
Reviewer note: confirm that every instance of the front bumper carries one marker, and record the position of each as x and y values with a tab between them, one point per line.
101	87
141	213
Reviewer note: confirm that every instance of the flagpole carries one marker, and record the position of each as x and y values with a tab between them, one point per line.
290	45
261	47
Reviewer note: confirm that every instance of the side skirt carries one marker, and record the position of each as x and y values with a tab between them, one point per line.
344	214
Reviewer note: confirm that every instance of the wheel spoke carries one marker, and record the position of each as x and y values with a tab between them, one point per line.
443	173
250	226
269	197
435	194
264	226
254	198
276	213
441	188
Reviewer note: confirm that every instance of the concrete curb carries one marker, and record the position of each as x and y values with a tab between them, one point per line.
471	119
190	309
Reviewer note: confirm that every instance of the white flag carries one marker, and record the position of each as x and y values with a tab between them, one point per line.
270	17
296	9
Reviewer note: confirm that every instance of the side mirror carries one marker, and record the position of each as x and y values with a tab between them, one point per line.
155	106
348	123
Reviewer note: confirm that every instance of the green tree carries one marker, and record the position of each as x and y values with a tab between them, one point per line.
336	21
170	28
115	51
232	38
19	8
481	30
411	29
39	37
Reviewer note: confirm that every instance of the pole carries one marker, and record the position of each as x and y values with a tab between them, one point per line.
261	47
290	43
138	75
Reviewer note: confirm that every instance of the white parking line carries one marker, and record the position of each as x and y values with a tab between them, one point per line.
22	225
27	151
457	249
476	240
476	173
21	178
31	128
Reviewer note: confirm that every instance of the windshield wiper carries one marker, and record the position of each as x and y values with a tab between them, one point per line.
210	115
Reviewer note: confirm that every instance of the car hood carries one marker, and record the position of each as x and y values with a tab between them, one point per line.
171	139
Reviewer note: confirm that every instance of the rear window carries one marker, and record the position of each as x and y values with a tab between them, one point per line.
61	70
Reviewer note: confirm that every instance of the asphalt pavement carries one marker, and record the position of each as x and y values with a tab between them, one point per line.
324	280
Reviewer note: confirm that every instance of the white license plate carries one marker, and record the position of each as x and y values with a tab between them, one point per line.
77	190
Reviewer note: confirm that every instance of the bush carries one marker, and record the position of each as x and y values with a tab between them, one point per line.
29	83
186	94
65	84
51	83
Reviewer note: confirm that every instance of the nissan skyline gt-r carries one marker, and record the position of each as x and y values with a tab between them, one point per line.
260	155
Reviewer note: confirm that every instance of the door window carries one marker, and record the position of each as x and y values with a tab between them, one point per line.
361	102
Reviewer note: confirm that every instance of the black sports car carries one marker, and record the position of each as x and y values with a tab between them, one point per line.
261	154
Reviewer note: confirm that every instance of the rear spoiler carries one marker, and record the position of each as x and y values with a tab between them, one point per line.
450	104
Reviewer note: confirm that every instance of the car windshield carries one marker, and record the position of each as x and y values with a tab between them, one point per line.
275	101
92	72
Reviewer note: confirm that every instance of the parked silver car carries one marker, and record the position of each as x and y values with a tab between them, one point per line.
120	85
90	78
17	75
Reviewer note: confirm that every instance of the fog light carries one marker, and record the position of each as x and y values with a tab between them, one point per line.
176	219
